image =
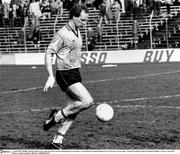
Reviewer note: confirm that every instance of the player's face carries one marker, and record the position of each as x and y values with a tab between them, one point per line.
82	19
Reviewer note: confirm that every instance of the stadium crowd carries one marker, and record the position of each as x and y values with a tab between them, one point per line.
12	11
16	12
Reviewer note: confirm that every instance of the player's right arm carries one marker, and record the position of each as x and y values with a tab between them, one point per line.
53	48
51	80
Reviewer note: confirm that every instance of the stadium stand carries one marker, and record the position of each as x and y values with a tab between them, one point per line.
113	39
165	35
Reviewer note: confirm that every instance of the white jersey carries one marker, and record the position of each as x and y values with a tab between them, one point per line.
67	47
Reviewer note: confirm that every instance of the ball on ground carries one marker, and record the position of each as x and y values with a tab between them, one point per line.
104	112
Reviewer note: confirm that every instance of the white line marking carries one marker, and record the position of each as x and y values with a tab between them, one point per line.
30	110
95	81
115	106
110	102
109	65
135	77
21	90
150	98
147	106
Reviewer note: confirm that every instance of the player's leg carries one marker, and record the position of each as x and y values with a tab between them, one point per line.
57	142
80	99
63	128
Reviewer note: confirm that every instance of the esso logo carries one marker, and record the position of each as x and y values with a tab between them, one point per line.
93	57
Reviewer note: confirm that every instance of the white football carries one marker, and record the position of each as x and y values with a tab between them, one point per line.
104	112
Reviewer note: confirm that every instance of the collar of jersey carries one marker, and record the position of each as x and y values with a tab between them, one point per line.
71	29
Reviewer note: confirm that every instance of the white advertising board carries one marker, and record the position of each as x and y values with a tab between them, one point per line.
132	56
103	57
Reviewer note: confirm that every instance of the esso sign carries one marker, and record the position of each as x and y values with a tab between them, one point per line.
93	57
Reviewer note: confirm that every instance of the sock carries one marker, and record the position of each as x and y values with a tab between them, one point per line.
58	138
59	116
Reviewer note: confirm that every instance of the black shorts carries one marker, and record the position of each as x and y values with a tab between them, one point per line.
66	78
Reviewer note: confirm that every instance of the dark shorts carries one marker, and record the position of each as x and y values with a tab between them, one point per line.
66	78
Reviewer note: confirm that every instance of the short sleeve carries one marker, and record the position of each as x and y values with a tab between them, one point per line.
55	45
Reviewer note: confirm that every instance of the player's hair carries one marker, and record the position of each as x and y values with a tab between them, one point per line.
76	10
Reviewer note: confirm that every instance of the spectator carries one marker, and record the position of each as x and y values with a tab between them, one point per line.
46	9
35	14
14	10
117	10
135	9
168	6
149	5
157	4
99	31
21	38
142	10
33	27
10	21
34	9
23	12
37	37
57	7
103	12
129	9
123	5
60	7
91	39
1	14
25	7
108	9
97	3
68	4
6	4
135	31
20	14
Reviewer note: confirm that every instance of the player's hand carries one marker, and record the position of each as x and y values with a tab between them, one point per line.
49	83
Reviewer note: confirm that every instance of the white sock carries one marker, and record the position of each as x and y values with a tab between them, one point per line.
58	138
59	116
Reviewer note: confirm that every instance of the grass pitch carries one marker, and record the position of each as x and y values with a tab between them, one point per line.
145	99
